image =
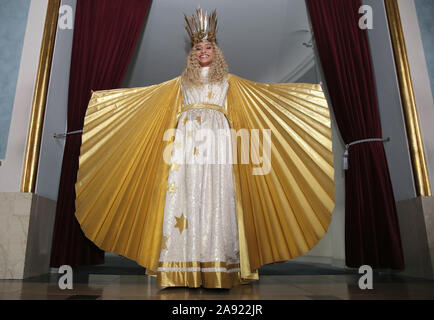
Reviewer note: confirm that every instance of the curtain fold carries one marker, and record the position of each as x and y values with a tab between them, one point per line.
105	35
372	233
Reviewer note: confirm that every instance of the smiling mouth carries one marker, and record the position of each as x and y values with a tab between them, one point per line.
204	56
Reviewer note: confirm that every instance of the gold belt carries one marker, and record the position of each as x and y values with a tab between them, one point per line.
202	105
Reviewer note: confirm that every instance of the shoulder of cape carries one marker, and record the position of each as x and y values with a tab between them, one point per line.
232	78
236	82
103	93
240	81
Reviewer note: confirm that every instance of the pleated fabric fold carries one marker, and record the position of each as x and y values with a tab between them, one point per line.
122	177
284	213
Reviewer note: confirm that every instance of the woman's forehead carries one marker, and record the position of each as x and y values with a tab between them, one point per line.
203	43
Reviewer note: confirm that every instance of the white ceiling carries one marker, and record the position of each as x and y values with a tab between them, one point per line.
261	40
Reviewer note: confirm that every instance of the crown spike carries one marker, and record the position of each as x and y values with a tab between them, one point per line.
205	21
201	27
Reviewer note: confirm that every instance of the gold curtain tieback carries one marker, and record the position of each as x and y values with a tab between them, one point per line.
348	145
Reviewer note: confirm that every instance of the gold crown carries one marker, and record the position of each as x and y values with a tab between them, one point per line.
201	27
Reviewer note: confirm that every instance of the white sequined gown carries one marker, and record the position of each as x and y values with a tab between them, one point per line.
200	234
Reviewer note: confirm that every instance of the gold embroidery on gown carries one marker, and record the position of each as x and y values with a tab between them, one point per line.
122	179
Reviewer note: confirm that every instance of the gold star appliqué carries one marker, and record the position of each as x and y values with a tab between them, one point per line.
172	188
198	119
174	166
196	151
210	94
181	223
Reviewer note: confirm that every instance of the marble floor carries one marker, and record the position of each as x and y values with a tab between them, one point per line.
269	287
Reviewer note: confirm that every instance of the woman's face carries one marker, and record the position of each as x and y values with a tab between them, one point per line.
204	52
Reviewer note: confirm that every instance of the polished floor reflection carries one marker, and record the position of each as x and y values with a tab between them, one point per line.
344	285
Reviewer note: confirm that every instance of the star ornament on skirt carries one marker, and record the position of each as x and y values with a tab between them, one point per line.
172	188
175	166
181	223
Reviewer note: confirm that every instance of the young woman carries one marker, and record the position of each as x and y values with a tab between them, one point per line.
163	179
200	226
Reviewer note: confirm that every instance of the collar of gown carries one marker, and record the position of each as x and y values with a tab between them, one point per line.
204	72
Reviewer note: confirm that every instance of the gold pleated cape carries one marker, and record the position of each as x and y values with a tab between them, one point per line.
122	178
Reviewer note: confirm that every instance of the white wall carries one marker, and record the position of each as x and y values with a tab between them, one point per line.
389	104
12	167
261	40
51	155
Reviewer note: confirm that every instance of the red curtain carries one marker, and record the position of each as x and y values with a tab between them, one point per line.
105	35
372	234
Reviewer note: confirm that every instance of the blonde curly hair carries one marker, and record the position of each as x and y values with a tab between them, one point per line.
218	68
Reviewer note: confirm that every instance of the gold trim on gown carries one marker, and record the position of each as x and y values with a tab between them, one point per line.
122	178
